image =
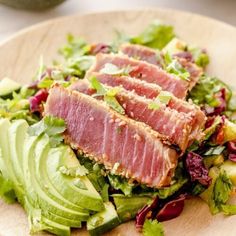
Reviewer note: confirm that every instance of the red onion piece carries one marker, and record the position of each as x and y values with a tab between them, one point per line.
171	209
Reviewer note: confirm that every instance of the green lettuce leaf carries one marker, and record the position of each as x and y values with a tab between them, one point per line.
200	57
163	193
53	127
178	182
77	65
119	183
152	228
18	106
156	35
96	174
74	47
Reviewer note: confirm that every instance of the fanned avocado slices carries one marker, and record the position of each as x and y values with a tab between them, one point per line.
49	182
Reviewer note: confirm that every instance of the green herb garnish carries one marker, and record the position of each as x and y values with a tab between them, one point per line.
108	95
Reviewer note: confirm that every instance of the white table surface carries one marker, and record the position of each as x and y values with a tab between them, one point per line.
12	20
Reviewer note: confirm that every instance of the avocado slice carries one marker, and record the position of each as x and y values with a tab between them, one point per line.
214	160
7	87
56	228
17	134
128	206
229	131
50	188
38	222
103	221
5	161
174	46
39	193
78	190
27	162
230	168
207	194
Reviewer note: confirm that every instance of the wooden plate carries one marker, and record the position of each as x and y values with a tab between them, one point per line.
19	57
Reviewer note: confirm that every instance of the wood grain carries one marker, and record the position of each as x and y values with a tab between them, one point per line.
19	60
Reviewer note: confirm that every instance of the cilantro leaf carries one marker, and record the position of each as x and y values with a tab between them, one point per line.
152	228
154	105
172	66
218	193
229	209
222	189
114	104
108	94
163	98
95	84
156	35
51	126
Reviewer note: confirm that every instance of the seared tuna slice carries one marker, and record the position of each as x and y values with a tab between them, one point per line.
143	71
151	56
125	146
151	91
142	53
174	127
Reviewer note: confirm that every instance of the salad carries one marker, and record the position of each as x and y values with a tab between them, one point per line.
119	131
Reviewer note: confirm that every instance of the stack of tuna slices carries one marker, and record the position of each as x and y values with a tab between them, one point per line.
140	145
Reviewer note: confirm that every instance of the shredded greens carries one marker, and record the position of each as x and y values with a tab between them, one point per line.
205	90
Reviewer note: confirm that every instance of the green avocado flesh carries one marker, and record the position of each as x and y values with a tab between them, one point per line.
52	198
103	221
127	207
8	86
